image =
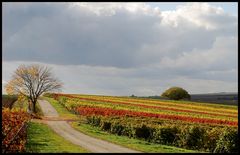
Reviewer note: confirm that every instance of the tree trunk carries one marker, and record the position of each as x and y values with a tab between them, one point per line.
30	106
34	106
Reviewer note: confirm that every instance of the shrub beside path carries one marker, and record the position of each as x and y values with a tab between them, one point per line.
65	130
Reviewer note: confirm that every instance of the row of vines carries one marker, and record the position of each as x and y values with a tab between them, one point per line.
189	136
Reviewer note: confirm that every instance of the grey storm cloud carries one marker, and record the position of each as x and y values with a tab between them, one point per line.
128	47
60	34
70	37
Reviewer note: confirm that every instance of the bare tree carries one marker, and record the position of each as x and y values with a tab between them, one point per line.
31	81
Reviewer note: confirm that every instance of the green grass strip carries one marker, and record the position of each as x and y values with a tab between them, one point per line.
42	139
24	106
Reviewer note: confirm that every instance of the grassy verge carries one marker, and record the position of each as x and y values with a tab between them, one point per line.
24	106
20	105
39	110
135	144
42	139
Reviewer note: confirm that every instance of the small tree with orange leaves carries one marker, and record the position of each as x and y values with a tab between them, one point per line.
32	81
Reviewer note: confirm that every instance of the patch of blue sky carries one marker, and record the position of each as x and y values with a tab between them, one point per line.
229	7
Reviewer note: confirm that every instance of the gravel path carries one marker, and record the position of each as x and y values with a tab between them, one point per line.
65	130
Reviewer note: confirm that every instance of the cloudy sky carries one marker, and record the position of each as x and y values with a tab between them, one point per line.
125	48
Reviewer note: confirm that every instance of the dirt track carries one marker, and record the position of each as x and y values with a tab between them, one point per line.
65	130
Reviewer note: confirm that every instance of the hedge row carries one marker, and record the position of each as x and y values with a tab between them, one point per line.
203	138
8	101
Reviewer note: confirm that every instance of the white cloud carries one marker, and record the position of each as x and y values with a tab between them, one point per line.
199	14
220	56
110	9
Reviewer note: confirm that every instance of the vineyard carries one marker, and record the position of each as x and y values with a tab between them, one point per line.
199	126
14	126
14	130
